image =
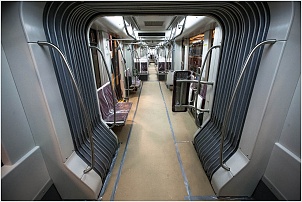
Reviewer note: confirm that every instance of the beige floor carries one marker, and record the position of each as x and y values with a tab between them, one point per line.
152	169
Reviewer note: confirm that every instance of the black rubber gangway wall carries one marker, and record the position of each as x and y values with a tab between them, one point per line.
244	24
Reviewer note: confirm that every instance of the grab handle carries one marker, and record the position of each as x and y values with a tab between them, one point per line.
227	116
109	77
86	117
199	80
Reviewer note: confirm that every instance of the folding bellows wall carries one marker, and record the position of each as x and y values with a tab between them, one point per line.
244	25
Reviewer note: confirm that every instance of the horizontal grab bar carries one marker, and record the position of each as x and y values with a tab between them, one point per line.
192	106
199	80
195	81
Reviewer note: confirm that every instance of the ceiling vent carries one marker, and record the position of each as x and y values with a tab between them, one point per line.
154	34
154	23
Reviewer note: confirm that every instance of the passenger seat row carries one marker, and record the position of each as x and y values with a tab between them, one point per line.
108	102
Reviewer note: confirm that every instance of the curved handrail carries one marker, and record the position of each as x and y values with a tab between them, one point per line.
199	80
127	29
168	57
86	117
109	77
182	30
227	116
181	93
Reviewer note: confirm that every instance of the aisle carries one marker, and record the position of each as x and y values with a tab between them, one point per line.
152	72
160	162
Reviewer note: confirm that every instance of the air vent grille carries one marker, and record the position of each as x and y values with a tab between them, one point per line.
154	23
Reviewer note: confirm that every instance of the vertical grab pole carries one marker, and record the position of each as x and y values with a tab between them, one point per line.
227	116
109	77
125	71
199	80
86	117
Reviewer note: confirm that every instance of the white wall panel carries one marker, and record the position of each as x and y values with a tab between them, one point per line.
35	81
24	175
283	173
291	132
26	179
212	72
46	76
284	178
177	55
16	137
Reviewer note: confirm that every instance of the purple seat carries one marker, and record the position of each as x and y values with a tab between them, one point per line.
119	106
120	119
136	65
135	82
144	67
161	66
107	106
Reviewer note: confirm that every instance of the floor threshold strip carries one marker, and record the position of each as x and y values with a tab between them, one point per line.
201	198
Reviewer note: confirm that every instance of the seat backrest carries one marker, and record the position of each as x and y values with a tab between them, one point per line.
161	66
107	93
104	107
144	66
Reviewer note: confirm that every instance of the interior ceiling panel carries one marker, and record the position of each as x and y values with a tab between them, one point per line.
154	22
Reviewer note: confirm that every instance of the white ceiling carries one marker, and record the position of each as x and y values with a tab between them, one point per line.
166	20
194	25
